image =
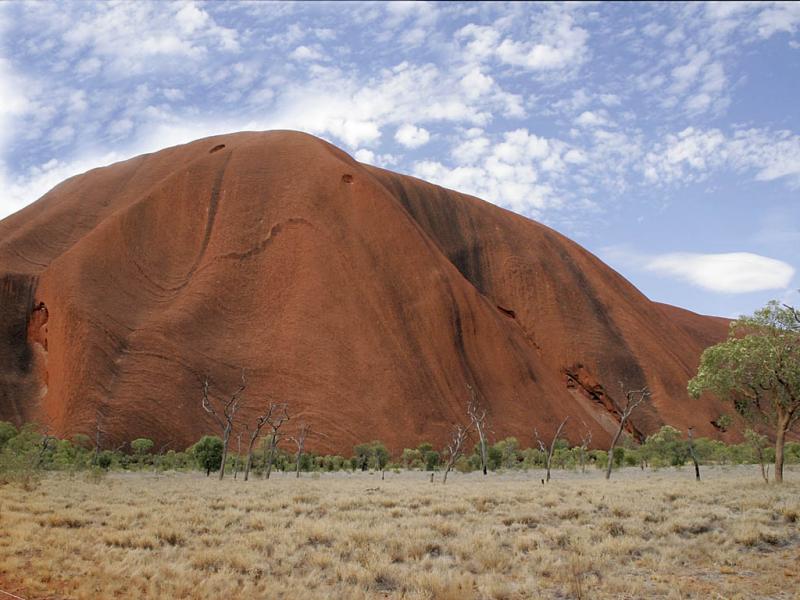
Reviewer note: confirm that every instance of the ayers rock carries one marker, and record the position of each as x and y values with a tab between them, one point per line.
366	299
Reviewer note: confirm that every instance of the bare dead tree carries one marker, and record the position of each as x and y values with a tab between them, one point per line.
225	421
455	447
299	439
633	398
477	416
276	414
277	417
238	451
586	439
98	434
44	444
159	456
690	435
548	452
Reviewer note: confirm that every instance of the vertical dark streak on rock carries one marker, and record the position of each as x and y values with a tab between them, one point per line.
17	294
213	206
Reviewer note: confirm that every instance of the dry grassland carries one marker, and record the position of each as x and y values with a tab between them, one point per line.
651	535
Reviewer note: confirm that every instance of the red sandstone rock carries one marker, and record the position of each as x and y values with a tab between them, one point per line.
366	299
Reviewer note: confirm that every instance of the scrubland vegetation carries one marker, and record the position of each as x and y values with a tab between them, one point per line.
78	522
643	534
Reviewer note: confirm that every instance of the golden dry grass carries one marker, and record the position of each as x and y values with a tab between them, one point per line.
652	535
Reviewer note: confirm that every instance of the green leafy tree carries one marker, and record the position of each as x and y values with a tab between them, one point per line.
432	460
141	446
758	370
495	457
380	455
666	447
363	456
411	458
104	459
208	453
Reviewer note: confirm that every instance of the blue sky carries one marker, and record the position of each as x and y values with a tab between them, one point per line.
663	137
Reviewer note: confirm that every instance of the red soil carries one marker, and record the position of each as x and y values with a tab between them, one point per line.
366	299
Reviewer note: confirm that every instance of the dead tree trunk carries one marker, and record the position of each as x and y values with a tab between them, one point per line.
225	422
586	439
278	416
300	441
477	416
273	445
633	398
690	435
548	453
275	416
238	453
98	434
455	448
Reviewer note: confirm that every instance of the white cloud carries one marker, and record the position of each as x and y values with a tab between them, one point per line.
469	151
685	156
356	111
305	53
412	137
132	36
733	272
556	43
482	41
364	155
684	75
13	99
778	17
17	192
475	83
521	171
693	154
591	119
553	42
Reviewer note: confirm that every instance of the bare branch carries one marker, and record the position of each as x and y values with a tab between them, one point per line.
276	414
633	398
455	448
549	453
225	422
586	440
477	415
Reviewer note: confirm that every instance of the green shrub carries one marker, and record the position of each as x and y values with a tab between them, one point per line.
7	431
141	446
432	460
208	453
105	459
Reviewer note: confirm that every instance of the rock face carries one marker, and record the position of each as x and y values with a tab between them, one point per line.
366	299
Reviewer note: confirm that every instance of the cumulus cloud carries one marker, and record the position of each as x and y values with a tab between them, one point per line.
305	53
520	170
555	44
552	42
412	137
591	119
733	272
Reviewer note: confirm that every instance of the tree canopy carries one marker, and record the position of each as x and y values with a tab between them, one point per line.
758	370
